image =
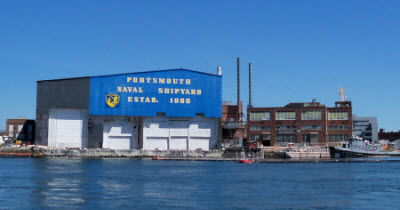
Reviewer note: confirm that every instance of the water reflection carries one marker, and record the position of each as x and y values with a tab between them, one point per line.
60	182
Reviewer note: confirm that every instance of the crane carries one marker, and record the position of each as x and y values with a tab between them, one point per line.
341	94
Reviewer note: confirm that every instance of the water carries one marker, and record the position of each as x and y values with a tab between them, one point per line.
147	184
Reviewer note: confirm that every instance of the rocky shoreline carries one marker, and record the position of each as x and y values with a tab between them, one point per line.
40	151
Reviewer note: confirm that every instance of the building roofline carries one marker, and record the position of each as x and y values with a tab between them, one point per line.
120	74
283	107
307	107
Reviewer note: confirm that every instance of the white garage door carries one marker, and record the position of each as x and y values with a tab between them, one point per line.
178	143
157	143
68	128
120	135
199	143
180	134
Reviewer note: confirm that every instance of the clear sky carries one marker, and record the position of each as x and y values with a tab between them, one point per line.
300	50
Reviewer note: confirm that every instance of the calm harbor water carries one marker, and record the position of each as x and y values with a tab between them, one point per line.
147	184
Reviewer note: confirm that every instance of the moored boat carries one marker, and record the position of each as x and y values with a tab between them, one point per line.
245	161
156	158
357	147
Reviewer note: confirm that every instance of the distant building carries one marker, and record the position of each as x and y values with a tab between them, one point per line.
21	129
366	128
233	129
312	123
391	136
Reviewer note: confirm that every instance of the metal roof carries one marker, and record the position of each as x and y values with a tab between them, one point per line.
178	69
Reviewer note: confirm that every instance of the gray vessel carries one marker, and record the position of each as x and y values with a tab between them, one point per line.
357	147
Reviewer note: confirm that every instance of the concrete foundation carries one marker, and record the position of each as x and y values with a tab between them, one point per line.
109	153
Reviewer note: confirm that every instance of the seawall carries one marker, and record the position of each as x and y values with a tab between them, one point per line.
38	151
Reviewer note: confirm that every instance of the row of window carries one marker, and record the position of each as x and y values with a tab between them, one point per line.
260	137
311	127
286	138
293	128
305	115
285	115
339	127
311	115
305	138
342	115
257	116
259	128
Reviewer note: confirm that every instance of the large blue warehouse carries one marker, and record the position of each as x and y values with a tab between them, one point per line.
175	109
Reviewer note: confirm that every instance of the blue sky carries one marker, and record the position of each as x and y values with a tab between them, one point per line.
300	50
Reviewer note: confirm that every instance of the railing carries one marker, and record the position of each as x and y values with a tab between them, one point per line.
230	125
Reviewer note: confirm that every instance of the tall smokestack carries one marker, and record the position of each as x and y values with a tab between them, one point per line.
238	88
250	90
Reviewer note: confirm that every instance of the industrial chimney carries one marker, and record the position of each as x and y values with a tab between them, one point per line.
238	89
250	90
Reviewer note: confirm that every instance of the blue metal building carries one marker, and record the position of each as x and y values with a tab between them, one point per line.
175	109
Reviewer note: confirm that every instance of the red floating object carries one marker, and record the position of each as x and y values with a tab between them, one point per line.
156	158
245	161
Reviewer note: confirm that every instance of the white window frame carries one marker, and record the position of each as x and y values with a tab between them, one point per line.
334	115
286	113
260	128
314	115
286	140
311	127
256	115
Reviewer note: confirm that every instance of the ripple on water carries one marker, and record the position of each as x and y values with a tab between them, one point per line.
125	183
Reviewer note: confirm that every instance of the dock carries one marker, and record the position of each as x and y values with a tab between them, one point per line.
171	155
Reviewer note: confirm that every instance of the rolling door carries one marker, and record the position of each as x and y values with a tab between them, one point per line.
157	143
199	143
164	134
178	143
67	128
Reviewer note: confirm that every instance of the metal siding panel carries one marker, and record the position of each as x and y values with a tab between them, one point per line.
156	129
201	129
52	129
179	128
119	135
209	102
178	143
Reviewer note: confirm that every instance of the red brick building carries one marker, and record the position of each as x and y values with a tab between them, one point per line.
21	129
391	136
233	128
311	123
